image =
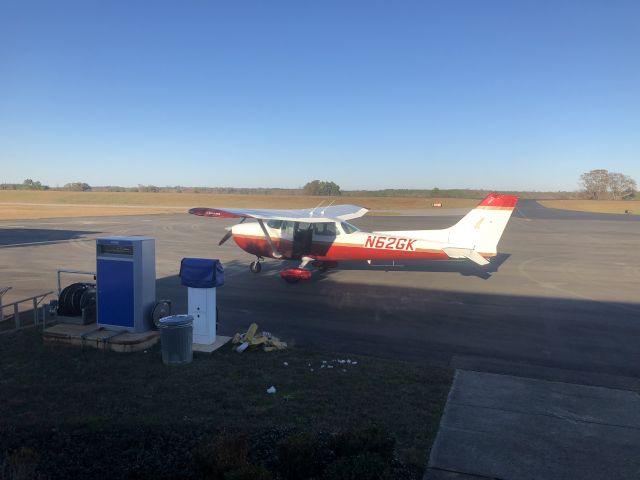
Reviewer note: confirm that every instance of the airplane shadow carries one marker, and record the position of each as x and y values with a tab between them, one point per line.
511	332
463	267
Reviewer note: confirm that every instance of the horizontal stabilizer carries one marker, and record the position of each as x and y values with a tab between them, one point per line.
475	257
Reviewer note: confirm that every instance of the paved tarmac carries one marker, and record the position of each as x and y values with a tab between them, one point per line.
560	302
558	307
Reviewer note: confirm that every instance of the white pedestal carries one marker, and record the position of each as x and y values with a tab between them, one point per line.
202	307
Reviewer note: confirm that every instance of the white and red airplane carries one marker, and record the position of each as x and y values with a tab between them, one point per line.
320	237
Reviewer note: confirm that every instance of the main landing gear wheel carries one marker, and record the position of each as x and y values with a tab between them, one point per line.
255	267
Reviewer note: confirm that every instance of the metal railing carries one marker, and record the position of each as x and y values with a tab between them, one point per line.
35	300
3	290
76	272
35	303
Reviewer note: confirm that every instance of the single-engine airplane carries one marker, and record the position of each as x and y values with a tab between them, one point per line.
321	237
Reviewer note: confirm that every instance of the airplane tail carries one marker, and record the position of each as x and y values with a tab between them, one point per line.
476	235
481	229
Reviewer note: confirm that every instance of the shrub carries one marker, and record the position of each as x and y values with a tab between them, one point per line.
365	466
225	458
19	465
369	440
249	472
303	455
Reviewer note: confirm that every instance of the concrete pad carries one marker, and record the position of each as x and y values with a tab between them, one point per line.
507	427
220	341
73	320
542	372
445	475
93	336
67	330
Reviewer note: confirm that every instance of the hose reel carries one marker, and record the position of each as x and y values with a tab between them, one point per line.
76	298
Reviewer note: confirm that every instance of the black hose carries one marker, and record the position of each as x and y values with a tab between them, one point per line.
75	297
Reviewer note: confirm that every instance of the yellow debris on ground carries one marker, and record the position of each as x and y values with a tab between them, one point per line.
251	338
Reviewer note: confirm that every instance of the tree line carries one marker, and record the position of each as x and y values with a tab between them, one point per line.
30	184
598	184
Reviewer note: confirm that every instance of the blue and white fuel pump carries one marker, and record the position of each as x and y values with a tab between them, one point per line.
125	282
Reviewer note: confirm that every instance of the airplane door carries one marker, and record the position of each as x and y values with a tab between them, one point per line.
302	233
286	239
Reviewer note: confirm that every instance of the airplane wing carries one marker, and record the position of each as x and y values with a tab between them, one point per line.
309	215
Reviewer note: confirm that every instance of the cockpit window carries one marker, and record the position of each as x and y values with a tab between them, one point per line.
348	228
274	224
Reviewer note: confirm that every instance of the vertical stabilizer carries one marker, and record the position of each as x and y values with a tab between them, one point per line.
481	229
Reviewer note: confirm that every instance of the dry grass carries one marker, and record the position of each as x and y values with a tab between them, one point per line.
94	414
597	206
21	204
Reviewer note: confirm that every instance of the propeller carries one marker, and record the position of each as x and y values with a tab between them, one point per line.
229	233
226	237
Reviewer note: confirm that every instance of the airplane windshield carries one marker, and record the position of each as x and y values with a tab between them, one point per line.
348	228
274	224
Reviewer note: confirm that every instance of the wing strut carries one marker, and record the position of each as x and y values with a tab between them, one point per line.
274	250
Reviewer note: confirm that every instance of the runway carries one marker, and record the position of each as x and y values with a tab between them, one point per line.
559	303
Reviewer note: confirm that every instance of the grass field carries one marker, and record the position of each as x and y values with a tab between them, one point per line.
84	413
24	204
597	206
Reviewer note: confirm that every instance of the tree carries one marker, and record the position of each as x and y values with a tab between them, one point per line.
595	184
621	186
600	184
148	188
31	185
317	187
77	187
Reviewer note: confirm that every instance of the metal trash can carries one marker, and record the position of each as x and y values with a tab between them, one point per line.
176	338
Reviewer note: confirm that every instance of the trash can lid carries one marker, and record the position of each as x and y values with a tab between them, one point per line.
175	320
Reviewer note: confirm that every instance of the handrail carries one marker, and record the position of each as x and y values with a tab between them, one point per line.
27	299
77	272
36	299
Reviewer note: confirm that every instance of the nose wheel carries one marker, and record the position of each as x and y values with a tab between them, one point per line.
255	267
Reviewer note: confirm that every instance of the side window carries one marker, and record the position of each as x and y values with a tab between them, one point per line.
325	229
286	228
276	224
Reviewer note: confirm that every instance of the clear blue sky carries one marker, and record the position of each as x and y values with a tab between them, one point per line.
492	94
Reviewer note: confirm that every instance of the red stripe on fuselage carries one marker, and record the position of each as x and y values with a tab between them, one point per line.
336	251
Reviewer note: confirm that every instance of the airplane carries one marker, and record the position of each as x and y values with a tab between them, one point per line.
321	237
